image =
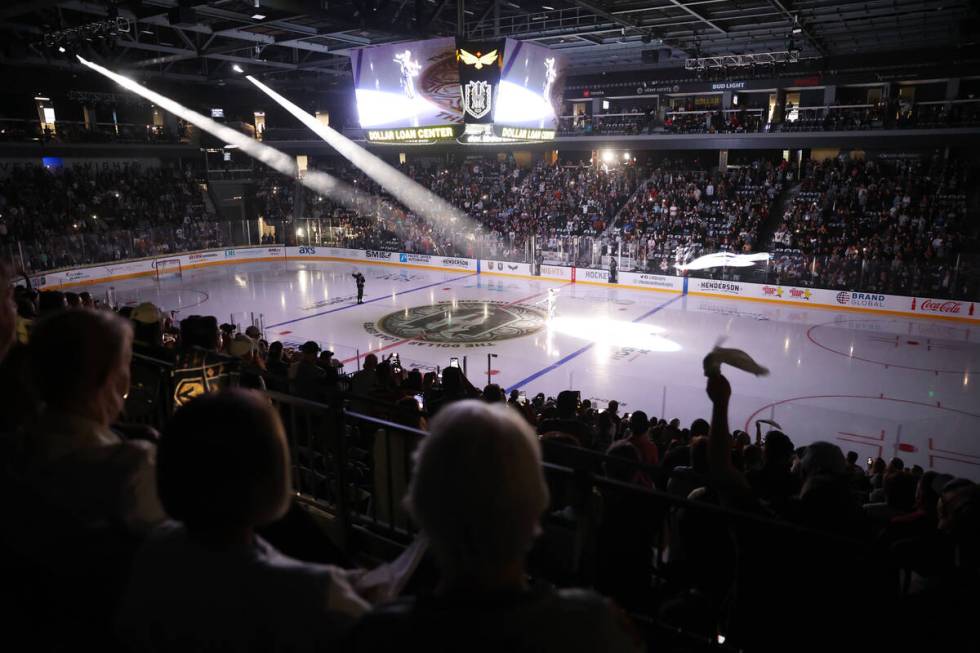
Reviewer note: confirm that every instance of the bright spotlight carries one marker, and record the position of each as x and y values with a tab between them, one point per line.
258	16
607	156
299	232
237	68
61	49
320	182
413	195
626	156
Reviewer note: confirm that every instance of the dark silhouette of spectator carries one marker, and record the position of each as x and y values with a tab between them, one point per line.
207	580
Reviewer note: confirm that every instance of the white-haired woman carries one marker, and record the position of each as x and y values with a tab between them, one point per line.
478	493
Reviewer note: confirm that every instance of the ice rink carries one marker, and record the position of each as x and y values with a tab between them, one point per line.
876	385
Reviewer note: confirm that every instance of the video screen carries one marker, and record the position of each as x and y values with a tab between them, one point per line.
403	87
531	85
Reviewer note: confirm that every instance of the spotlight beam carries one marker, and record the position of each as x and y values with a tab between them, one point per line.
279	161
416	197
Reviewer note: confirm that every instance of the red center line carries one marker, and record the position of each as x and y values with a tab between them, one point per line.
422	338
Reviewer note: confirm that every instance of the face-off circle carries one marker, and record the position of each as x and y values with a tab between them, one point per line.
463	322
903	344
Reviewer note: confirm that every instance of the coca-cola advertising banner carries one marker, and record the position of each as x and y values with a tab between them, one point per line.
945	307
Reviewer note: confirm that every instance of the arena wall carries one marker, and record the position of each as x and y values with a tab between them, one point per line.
787	295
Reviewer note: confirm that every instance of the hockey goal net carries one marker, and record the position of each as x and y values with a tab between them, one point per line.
168	268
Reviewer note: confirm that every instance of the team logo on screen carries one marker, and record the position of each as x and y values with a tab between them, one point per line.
477	60
464	322
477	98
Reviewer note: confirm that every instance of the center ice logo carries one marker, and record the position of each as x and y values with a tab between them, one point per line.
468	322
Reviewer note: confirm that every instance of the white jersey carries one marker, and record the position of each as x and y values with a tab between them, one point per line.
552	301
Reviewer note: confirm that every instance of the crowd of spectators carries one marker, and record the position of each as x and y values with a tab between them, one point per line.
116	537
738	120
896	226
888	226
680	121
72	132
507	204
87	214
682	213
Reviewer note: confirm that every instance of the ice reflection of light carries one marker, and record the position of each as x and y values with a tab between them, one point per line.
240	281
614	333
302	276
724	259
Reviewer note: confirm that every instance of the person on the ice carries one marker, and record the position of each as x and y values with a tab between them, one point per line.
359	279
552	302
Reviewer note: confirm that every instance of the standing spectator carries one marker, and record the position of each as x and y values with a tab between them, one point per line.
640	438
567	421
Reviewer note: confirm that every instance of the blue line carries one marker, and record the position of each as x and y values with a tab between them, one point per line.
579	352
370	301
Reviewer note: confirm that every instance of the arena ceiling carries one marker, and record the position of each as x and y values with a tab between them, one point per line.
303	39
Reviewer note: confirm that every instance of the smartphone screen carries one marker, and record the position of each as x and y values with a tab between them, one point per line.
522	398
420	402
453	362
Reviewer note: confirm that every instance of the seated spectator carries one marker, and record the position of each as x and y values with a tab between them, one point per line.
899	499
251	371
307	379
206	581
81	359
478	492
277	370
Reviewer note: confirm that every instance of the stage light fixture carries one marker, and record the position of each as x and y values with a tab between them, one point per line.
258	16
61	49
237	68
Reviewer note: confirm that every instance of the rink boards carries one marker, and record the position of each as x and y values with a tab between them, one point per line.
961	311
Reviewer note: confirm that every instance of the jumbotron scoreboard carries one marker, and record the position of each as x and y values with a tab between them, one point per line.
450	89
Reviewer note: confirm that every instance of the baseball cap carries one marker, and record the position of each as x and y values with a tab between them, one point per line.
239	348
146	313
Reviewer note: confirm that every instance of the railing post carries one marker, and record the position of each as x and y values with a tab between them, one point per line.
339	442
